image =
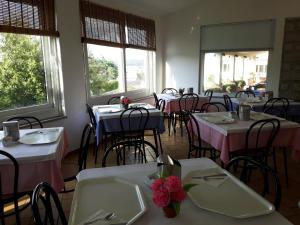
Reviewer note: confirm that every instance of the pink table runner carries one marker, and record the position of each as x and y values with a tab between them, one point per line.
231	137
37	163
172	102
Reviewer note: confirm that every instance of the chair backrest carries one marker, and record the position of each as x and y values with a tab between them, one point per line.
27	121
84	146
44	196
248	165
114	100
15	187
134	120
261	134
121	147
193	129
209	93
213	107
169	91
188	102
161	105
156	100
91	115
247	93
277	106
228	103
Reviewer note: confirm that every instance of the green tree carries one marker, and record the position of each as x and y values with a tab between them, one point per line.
22	76
103	75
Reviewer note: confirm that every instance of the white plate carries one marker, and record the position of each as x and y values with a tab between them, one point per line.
43	136
110	110
110	194
218	119
231	198
144	105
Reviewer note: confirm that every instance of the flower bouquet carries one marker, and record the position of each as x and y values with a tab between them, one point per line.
125	102
168	193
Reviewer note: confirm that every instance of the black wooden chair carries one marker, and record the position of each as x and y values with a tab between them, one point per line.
279	107
209	93
213	107
94	126
160	104
247	93
46	198
15	196
27	121
196	147
228	103
246	166
114	100
169	91
187	103
123	147
69	170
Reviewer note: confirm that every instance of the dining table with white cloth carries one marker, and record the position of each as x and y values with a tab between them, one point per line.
108	119
228	135
37	162
90	200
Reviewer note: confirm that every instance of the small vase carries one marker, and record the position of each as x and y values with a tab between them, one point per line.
169	212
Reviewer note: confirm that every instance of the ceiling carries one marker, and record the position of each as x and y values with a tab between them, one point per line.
161	7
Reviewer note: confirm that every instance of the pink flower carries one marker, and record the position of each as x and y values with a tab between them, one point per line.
173	183
178	196
158	184
161	198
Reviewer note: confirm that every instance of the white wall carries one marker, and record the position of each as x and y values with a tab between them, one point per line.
72	64
181	51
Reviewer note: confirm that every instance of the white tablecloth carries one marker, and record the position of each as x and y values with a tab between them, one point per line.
190	214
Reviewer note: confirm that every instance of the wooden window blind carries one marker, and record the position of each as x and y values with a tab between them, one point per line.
102	25
35	17
140	32
105	26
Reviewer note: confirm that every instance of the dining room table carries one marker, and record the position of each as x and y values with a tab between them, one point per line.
227	134
108	120
257	104
172	102
122	195
39	153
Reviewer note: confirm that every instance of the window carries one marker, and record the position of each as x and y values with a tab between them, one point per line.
119	51
29	81
240	70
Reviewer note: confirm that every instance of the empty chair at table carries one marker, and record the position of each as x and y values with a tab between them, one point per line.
277	106
213	107
44	203
187	103
159	103
27	121
114	100
197	147
70	170
209	94
247	93
93	122
169	91
228	103
14	196
247	169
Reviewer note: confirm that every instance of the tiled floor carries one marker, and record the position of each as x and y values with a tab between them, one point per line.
177	146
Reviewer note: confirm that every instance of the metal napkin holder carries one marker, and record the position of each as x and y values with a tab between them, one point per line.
167	166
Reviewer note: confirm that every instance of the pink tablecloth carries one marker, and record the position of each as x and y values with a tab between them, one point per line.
172	102
37	163
227	140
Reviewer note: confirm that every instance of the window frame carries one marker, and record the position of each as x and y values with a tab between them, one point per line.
138	93
53	108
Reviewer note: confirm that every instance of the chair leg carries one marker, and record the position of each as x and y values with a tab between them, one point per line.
96	148
169	123
274	159
285	167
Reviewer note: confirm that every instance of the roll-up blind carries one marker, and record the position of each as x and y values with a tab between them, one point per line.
102	25
36	17
140	32
252	35
105	26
